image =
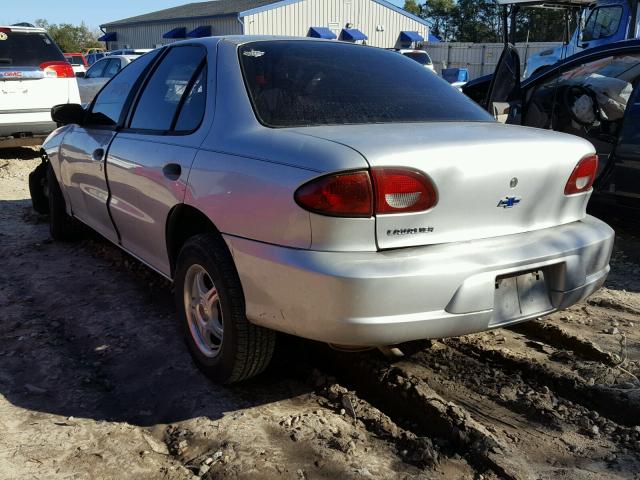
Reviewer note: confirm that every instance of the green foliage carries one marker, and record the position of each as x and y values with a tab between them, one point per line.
480	21
70	38
412	6
541	25
477	21
441	13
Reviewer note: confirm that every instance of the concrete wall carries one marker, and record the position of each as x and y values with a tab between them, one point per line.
479	58
381	24
149	35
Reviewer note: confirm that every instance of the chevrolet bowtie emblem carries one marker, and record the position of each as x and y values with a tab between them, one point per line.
509	202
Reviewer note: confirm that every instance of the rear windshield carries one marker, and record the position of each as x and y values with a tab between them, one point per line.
22	49
421	57
74	59
297	83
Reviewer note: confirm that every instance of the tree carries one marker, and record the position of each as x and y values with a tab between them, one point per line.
440	12
70	38
477	21
541	25
412	6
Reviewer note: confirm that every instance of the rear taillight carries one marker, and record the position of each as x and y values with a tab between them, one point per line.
583	176
401	190
339	195
57	69
363	194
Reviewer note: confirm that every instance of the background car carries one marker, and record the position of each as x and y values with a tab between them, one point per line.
93	57
594	94
34	76
419	56
100	73
77	61
603	22
367	212
129	51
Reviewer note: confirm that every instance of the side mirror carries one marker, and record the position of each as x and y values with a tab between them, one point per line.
81	74
68	113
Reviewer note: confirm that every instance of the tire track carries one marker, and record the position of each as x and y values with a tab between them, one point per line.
550	370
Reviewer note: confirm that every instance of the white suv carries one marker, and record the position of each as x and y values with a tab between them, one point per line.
34	76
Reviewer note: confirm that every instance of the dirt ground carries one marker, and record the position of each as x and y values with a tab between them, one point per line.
95	382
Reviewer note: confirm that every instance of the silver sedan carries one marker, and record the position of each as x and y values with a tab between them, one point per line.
337	192
92	81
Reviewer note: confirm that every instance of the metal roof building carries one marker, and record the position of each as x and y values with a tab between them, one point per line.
376	22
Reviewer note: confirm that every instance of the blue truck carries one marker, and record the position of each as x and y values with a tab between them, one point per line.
601	22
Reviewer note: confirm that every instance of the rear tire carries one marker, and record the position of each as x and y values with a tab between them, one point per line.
211	309
62	226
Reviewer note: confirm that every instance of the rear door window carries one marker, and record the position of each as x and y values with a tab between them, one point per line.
304	83
161	97
22	49
109	104
194	104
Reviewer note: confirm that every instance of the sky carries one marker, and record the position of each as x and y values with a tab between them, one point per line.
93	13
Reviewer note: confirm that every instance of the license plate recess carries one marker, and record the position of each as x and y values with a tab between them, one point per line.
520	295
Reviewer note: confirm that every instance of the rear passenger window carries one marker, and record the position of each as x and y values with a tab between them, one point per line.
162	96
109	103
194	104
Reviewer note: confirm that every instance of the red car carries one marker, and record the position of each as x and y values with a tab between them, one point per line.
77	61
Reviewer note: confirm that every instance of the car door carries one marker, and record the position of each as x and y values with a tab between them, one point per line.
84	147
505	85
589	98
624	180
605	24
149	161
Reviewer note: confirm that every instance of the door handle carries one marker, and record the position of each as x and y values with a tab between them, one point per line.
98	154
172	171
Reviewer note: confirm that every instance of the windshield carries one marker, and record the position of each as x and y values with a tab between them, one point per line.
304	83
603	23
421	57
22	49
74	59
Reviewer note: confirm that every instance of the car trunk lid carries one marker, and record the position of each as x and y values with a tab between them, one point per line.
491	179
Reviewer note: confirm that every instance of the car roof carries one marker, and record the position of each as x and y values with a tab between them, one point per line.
126	57
242	39
20	28
72	53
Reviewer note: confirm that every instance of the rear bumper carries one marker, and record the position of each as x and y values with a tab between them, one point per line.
387	297
34	122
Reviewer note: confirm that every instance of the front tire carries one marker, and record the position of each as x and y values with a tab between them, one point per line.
38	188
62	226
211	309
